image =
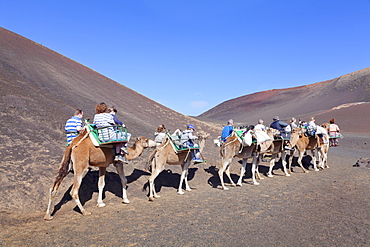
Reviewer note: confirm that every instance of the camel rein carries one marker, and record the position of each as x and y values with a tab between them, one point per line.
83	138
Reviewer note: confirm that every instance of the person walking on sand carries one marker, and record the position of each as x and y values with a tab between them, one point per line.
334	133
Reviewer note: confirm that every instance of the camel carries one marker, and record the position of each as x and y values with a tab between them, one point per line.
166	154
312	143
274	148
82	153
234	148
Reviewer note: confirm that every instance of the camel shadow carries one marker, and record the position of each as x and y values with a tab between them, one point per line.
169	179
89	186
306	161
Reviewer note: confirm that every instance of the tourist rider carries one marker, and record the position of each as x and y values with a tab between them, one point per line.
113	111
160	134
73	125
104	119
227	130
187	141
279	125
260	126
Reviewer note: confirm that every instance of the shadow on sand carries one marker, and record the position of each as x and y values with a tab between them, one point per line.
89	186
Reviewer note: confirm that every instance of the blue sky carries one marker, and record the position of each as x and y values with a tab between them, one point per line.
191	55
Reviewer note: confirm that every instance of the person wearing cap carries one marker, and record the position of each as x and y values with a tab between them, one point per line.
187	141
227	130
260	126
280	126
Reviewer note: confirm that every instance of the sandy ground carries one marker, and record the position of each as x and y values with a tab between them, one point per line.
326	208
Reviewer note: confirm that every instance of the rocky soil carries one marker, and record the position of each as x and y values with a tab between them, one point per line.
326	208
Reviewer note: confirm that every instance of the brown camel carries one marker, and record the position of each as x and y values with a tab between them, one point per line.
166	154
312	143
274	148
82	153
233	148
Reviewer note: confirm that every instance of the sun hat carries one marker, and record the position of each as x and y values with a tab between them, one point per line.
190	126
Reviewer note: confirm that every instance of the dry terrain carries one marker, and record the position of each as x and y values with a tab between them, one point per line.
325	208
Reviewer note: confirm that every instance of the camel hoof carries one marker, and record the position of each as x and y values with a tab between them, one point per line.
125	201
100	204
48	217
180	192
188	189
151	199
233	185
287	175
270	176
256	183
316	170
86	213
157	196
239	184
225	188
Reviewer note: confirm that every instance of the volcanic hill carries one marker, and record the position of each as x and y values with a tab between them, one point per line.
345	98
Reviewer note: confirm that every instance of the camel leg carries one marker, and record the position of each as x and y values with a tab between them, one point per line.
300	157
184	175
187	187
283	163
242	171
121	174
254	169
290	161
152	192
77	180
101	184
320	158
324	157
272	164
224	165
227	172
313	152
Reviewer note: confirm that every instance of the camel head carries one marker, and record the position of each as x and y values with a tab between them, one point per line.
326	126
271	132
203	135
295	135
146	143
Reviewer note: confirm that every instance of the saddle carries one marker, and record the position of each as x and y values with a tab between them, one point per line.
176	141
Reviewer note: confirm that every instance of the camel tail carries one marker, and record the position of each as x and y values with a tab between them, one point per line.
148	167
65	168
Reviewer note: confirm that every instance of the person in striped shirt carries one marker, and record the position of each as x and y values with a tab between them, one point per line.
104	119
73	125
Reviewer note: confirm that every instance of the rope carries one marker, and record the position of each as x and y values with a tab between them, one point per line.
83	138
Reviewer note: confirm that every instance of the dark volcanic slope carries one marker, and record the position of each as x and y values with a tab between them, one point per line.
302	101
39	90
